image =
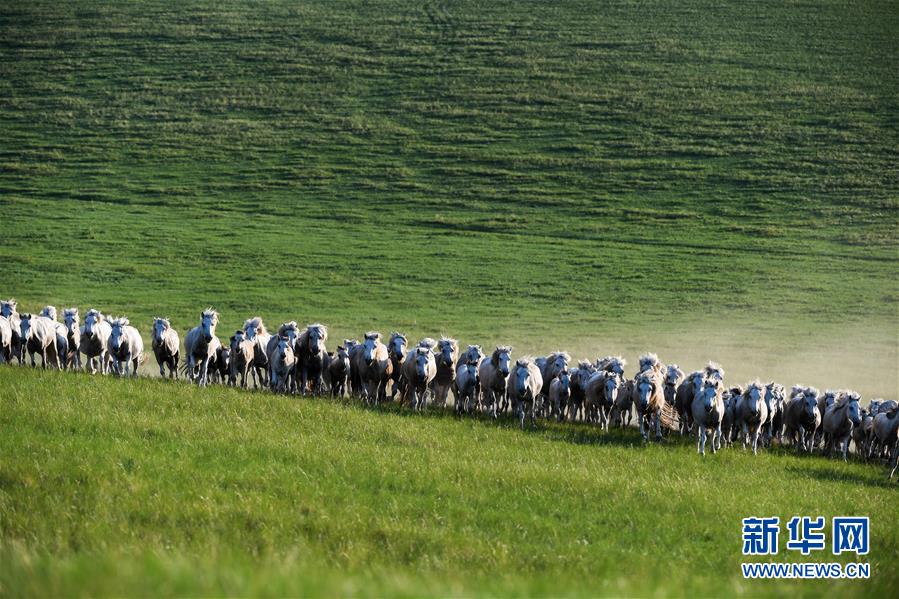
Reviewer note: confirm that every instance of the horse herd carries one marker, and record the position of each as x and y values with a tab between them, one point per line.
295	360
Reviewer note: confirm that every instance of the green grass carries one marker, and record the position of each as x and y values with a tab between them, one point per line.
111	487
511	168
706	180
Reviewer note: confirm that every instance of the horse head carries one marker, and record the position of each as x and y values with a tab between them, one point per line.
8	308
118	332
397	346
70	318
91	320
160	326
316	334
369	345
447	352
502	359
25	325
209	319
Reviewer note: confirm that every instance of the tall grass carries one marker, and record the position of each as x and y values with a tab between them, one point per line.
148	487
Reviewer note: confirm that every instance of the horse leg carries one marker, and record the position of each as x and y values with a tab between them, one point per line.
895	459
658	417
700	447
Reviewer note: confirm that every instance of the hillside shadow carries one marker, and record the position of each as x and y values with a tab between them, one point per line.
820	473
579	433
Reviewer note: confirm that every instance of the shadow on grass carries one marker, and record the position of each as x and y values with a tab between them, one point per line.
825	474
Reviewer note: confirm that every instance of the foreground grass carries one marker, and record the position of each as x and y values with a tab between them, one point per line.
112	487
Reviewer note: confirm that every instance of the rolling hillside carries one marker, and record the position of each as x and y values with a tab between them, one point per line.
707	180
548	174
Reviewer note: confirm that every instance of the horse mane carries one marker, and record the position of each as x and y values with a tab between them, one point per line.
397	335
755	384
255	322
449	341
210	312
611	363
427	342
96	313
164	321
714	369
49	312
322	331
846	397
375	335
121	321
70	312
494	357
585	364
674	371
288	326
523	362
559	354
650	375
649	360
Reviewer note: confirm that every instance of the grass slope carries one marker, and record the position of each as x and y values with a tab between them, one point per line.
147	487
548	173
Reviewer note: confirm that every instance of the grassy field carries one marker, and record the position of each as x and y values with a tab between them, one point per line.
549	174
708	180
150	488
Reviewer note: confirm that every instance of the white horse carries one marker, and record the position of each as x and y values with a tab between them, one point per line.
579	377
550	366
255	331
602	390
38	334
241	359
649	398
673	377
202	346
494	376
310	352
524	386
166	346
751	414
774	400
71	322
840	420
126	347
62	342
291	330
802	417
283	363
419	369
886	433
708	408
445	379
8	311
466	387
95	341
337	372
560	394
371	368
5	341
396	349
